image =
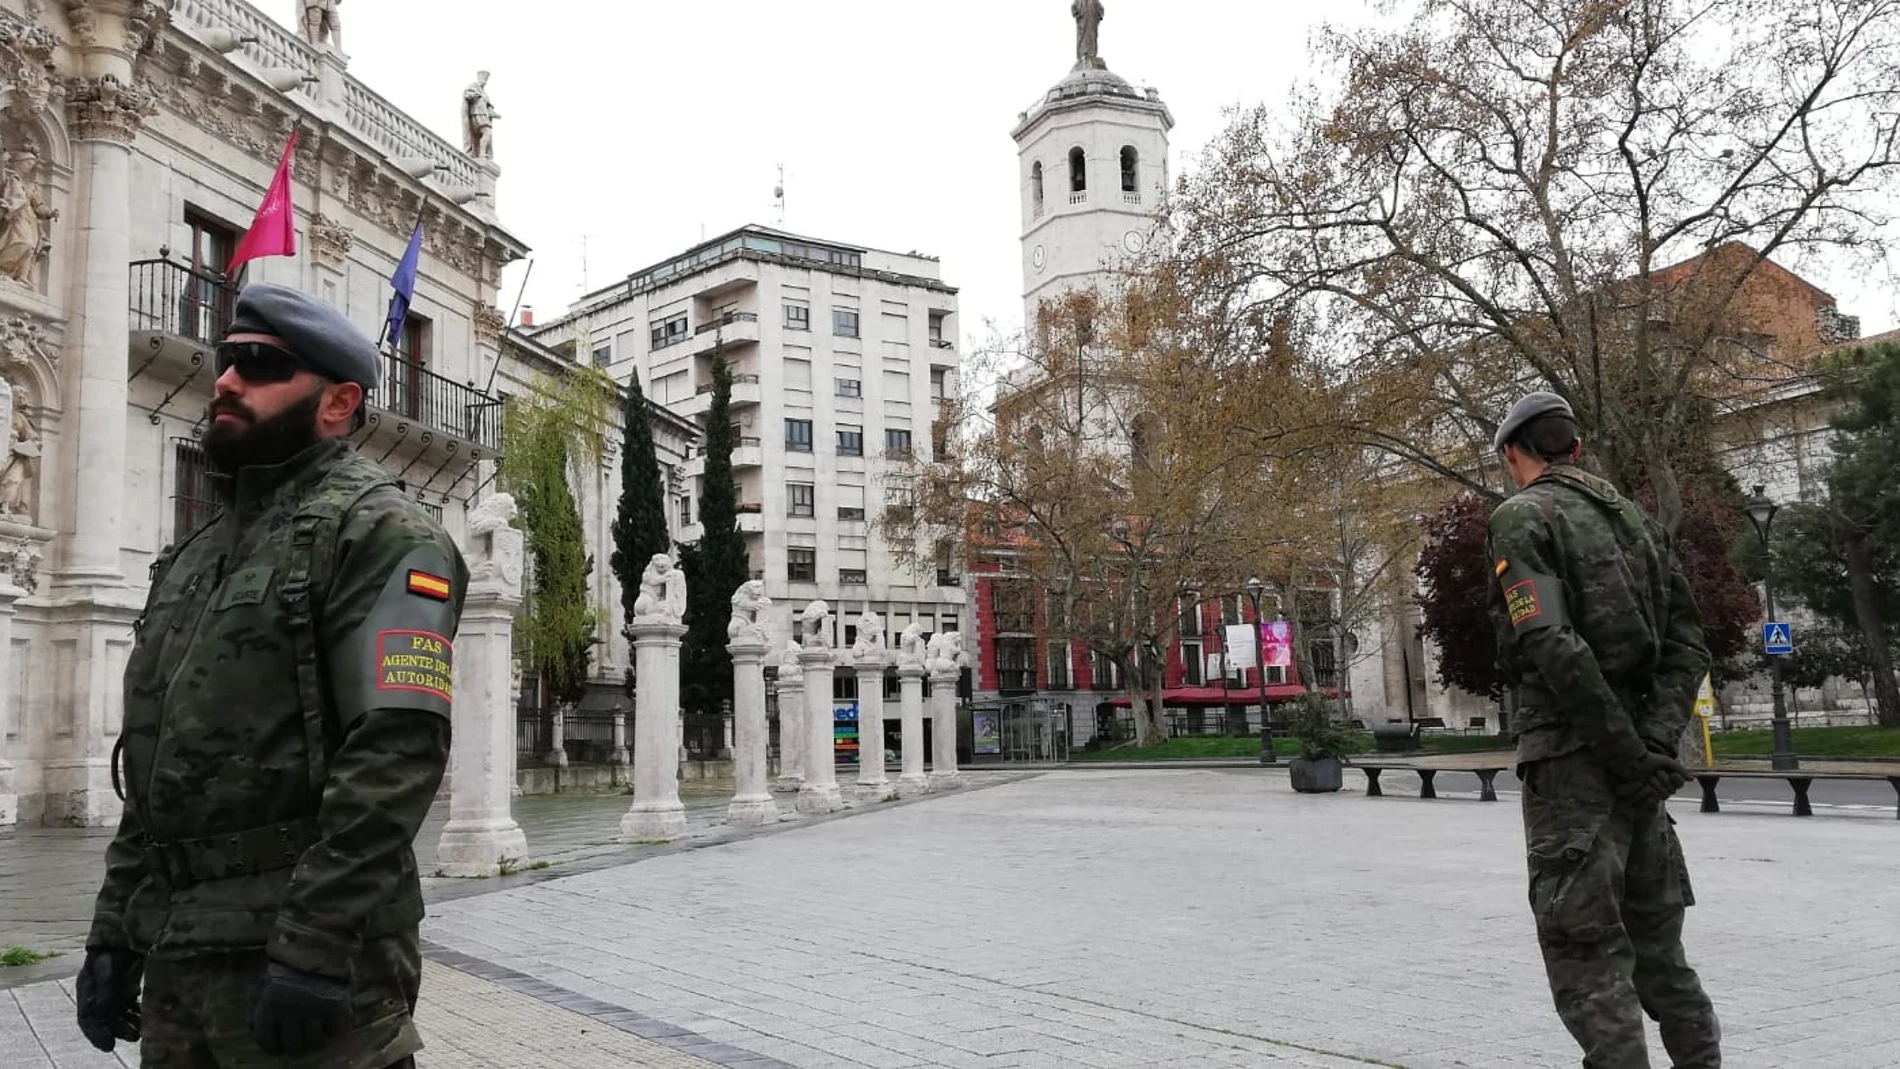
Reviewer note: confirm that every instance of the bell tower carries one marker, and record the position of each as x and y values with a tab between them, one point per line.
1093	165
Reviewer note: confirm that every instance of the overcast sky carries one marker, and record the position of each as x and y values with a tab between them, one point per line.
641	126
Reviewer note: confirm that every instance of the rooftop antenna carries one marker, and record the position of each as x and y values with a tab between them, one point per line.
778	194
583	263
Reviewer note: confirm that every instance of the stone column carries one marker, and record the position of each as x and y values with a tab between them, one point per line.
872	785
791	733
622	756
943	731
557	736
751	802
106	106
9	792
910	684
481	830
820	793
656	814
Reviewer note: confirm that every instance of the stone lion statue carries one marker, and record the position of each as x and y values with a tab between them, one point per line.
495	512
910	645
869	648
817	625
790	670
662	591
749	606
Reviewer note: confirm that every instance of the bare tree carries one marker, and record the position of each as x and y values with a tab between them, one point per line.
1578	194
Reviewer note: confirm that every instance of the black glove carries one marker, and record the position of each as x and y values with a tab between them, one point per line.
299	1012
108	995
1650	779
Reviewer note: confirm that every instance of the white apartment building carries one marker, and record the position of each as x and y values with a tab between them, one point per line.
840	356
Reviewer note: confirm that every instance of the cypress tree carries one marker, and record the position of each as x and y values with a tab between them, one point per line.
640	521
716	565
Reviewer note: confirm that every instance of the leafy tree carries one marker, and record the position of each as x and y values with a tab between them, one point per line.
640	522
716	565
1816	552
1454	593
545	430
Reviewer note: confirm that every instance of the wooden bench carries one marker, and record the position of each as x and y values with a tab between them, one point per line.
1487	774
1798	779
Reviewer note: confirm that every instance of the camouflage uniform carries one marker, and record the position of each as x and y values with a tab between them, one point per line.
1599	627
286	728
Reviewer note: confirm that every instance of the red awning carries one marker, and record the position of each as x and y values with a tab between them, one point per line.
1276	692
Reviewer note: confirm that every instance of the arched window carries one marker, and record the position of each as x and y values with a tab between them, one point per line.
1035	183
1078	171
1129	160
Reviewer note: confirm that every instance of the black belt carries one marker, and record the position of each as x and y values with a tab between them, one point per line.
183	862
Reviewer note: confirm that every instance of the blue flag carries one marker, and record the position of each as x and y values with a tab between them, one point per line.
404	283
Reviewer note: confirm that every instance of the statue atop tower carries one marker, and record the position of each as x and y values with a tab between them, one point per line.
1088	31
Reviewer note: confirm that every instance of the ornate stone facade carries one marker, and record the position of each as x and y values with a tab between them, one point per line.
330	240
106	109
489	322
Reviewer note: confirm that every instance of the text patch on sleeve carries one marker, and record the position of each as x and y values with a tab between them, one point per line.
1520	600
421	661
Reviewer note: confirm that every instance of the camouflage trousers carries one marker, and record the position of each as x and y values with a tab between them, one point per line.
1608	887
197	1011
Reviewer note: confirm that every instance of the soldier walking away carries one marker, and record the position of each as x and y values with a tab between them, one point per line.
1598	628
286	727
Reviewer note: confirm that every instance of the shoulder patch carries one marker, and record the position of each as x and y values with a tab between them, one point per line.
1503	566
427	585
420	661
1520	600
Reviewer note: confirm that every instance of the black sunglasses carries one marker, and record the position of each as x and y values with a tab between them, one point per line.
259	362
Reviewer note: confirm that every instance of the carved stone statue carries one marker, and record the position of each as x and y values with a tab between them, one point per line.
23	218
817	625
945	653
748	623
790	670
495	512
479	115
321	23
869	648
910	645
1088	27
662	591
22	464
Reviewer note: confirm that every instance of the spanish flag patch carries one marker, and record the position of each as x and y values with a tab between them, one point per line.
429	586
1503	566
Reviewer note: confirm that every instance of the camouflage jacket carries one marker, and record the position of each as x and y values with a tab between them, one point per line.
285	734
1596	624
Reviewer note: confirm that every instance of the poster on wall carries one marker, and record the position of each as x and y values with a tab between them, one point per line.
1239	640
989	738
1276	641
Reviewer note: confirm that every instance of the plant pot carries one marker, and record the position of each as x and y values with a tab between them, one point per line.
1320	776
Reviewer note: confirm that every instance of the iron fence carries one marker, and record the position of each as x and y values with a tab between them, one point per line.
413	391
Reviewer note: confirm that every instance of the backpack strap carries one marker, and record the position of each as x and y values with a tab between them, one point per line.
311	562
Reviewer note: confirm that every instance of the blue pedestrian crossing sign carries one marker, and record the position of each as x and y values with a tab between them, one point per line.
1777	639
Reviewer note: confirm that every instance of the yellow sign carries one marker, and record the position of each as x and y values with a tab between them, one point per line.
1705	711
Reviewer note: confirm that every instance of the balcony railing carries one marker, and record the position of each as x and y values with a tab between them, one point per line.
725	321
168	297
412	391
747	379
741	443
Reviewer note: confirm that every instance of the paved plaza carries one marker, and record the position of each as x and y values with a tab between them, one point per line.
1113	918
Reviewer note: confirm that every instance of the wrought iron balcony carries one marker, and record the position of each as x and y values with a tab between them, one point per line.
170	298
412	392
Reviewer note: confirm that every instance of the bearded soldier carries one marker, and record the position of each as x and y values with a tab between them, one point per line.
1599	632
286	727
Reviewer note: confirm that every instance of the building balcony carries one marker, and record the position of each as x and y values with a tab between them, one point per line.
731	329
746	453
419	402
177	318
745	391
751	517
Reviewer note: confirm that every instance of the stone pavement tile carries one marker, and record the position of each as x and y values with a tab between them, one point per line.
1184	910
469	1022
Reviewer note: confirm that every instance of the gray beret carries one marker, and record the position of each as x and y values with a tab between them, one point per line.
1532	406
310	328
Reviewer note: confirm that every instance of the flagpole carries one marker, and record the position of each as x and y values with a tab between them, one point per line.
489	386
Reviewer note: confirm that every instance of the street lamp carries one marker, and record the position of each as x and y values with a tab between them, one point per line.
1761	512
1267	756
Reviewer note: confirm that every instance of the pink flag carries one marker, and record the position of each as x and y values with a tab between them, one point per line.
274	231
